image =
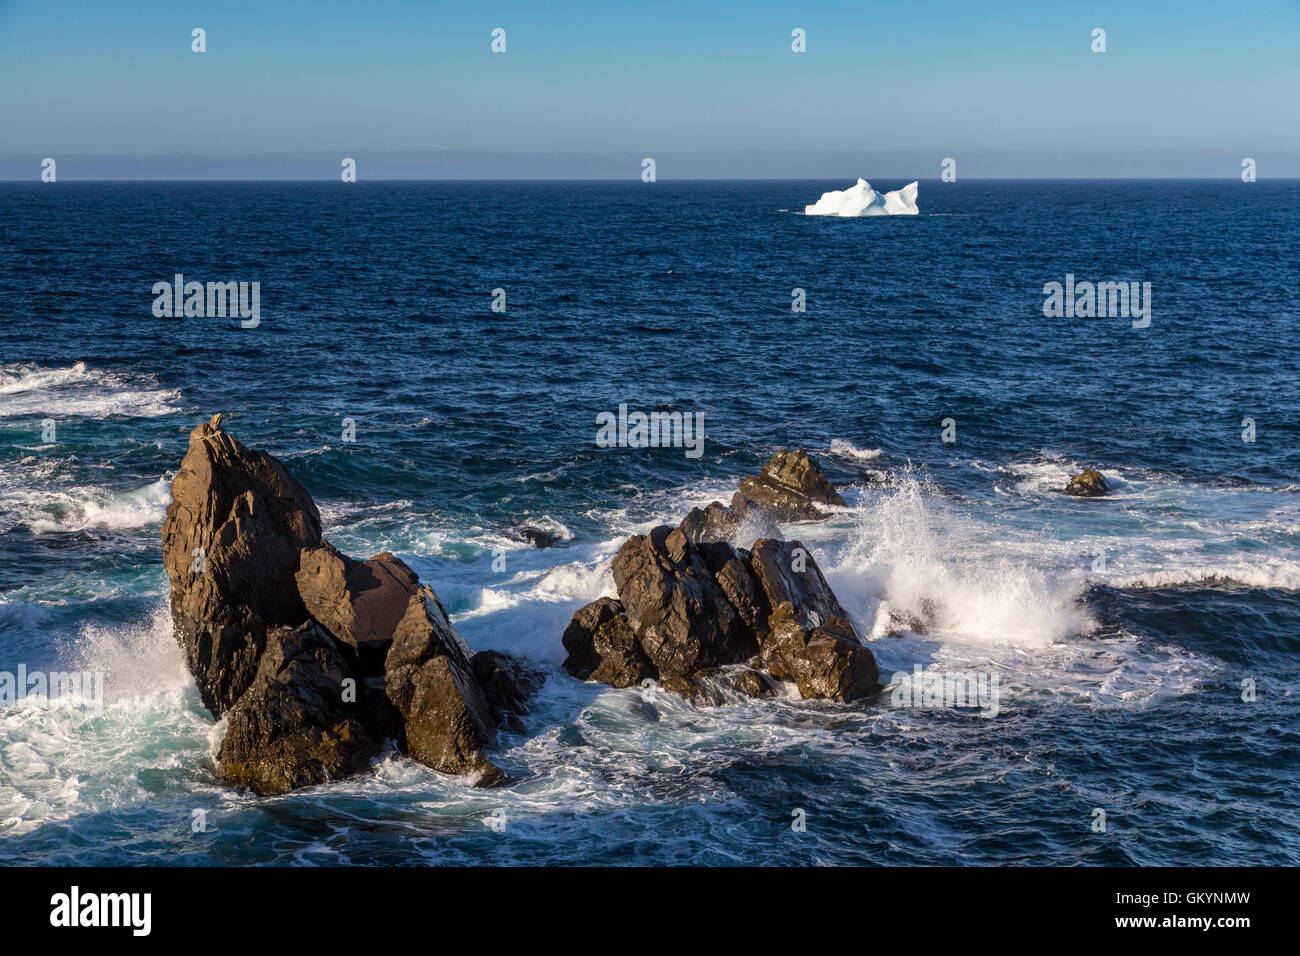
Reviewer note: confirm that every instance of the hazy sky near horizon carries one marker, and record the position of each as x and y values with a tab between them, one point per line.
87	76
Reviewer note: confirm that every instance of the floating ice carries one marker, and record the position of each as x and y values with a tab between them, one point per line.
862	200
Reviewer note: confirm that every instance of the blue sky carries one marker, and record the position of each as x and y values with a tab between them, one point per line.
654	77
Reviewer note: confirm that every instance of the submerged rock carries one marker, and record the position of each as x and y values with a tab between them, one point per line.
1089	483
537	537
315	658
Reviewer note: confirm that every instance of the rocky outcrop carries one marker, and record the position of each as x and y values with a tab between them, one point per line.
315	658
694	615
234	530
790	487
1087	484
822	657
603	647
682	618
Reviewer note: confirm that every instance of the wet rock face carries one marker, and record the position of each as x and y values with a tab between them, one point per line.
690	615
447	723
787	573
710	524
291	728
603	647
314	657
790	487
231	541
1089	483
823	659
797	472
506	686
682	618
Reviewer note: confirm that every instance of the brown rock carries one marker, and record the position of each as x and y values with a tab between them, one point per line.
798	472
680	615
359	602
731	569
274	622
786	572
1089	483
602	646
825	660
448	724
251	520
506	685
292	726
712	523
789	488
693	614
755	683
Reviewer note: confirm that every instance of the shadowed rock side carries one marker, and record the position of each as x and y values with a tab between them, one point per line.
316	658
231	539
688	611
789	488
1089	483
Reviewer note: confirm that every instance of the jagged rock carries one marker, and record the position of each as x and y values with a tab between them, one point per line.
710	524
732	570
822	660
798	472
274	622
755	683
602	646
681	618
359	602
232	537
292	727
1089	483
688	613
789	488
447	722
786	572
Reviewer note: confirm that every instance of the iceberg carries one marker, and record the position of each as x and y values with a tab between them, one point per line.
862	200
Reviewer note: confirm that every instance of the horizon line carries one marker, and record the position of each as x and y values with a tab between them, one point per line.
634	180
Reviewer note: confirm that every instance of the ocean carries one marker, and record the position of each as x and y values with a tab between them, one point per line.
1145	643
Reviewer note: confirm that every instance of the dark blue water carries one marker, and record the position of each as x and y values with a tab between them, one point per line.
1121	629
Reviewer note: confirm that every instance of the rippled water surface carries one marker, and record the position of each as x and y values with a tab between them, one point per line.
1121	629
